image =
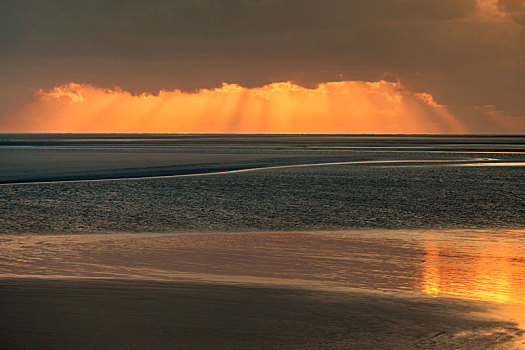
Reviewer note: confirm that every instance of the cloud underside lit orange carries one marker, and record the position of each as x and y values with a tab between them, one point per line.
335	107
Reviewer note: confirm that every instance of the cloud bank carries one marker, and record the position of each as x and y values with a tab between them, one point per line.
464	53
333	107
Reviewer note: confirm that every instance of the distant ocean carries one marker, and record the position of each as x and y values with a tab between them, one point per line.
70	184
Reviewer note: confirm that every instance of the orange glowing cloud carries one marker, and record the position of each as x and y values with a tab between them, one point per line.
335	107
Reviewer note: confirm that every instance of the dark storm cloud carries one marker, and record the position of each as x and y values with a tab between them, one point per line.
143	28
439	46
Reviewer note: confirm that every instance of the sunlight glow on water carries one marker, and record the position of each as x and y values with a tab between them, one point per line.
491	270
483	265
476	264
487	268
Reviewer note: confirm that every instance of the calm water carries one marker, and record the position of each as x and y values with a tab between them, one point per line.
475	264
201	183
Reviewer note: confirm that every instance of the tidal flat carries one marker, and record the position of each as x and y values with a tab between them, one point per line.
237	241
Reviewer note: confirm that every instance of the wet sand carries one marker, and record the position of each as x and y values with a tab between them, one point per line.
321	290
112	314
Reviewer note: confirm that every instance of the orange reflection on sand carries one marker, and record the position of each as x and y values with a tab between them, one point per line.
490	270
333	107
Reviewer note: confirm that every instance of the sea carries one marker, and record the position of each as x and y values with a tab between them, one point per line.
434	215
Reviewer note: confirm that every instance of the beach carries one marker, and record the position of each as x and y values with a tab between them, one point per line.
356	289
234	242
62	314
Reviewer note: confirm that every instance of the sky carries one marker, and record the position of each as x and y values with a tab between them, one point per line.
263	66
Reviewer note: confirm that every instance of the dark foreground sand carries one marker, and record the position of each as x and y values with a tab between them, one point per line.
95	314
